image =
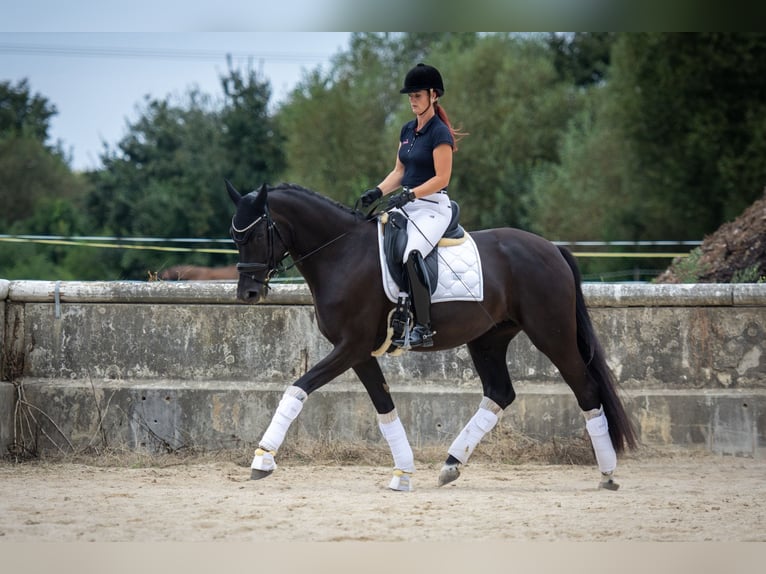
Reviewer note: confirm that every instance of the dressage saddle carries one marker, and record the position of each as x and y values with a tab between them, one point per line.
395	242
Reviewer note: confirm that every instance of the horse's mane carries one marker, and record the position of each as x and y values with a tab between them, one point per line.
295	188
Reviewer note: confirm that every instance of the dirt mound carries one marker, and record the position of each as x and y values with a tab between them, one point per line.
735	253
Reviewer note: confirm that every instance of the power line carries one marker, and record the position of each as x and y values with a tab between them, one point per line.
155	53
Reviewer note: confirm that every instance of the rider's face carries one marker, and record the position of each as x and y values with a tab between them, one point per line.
419	101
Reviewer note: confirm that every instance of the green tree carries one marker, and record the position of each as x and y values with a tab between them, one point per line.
23	113
253	145
508	96
161	181
165	177
694	111
336	122
582	57
30	170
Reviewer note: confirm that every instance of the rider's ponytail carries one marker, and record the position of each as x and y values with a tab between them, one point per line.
457	134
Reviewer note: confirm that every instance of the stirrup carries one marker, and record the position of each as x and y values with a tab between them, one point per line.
419	336
401	319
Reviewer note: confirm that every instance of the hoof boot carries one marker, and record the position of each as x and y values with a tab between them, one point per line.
401	482
263	464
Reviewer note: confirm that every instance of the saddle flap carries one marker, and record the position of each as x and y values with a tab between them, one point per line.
394	244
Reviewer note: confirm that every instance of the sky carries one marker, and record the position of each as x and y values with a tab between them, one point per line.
98	80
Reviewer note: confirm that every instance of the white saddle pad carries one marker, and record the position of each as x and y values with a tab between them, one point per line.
460	275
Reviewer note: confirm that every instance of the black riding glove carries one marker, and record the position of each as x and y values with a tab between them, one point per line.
400	200
371	196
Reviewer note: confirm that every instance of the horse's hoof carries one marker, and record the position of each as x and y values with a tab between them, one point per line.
449	473
401	482
608	483
256	474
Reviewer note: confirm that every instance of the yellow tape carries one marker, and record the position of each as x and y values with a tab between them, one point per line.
234	251
115	246
629	255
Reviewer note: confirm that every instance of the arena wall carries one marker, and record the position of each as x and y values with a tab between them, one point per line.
171	365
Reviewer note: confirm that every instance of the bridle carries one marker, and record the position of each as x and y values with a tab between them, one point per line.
274	264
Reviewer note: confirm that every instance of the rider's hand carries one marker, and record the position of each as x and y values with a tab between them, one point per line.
400	200
371	196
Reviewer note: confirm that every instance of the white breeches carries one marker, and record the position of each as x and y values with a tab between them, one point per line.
428	219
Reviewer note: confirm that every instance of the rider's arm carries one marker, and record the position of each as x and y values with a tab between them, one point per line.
443	169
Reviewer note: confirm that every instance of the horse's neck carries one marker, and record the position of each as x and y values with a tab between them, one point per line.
312	221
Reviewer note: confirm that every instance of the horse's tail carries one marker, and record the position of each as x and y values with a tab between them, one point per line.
620	427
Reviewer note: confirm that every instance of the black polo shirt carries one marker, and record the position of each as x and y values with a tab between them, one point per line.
417	149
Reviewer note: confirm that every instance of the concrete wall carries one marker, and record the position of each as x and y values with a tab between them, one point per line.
172	365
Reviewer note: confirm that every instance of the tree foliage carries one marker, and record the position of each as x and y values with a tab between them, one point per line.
509	99
694	110
23	113
165	179
577	136
30	169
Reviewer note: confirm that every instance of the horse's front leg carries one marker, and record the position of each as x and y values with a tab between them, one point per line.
290	407
389	423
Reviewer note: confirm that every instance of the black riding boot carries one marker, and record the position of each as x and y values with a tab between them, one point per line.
420	294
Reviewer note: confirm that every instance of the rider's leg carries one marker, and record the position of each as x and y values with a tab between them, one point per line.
428	218
420	294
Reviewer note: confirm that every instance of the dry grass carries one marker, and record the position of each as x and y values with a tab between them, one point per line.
500	446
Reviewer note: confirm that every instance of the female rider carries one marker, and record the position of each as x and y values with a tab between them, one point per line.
423	169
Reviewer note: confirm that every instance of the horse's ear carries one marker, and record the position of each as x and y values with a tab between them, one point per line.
233	193
260	199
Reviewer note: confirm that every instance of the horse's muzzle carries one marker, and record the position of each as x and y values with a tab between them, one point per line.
250	291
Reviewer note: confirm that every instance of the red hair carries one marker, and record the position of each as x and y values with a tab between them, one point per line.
457	135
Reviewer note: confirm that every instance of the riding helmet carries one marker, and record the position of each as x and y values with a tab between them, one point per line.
423	77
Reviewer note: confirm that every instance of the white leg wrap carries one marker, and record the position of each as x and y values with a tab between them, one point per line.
393	431
480	424
289	408
598	429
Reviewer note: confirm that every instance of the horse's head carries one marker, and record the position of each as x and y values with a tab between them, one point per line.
260	246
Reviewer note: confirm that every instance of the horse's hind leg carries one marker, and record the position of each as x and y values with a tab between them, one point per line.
561	348
389	423
488	353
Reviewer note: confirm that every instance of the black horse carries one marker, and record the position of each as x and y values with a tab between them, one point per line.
530	285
